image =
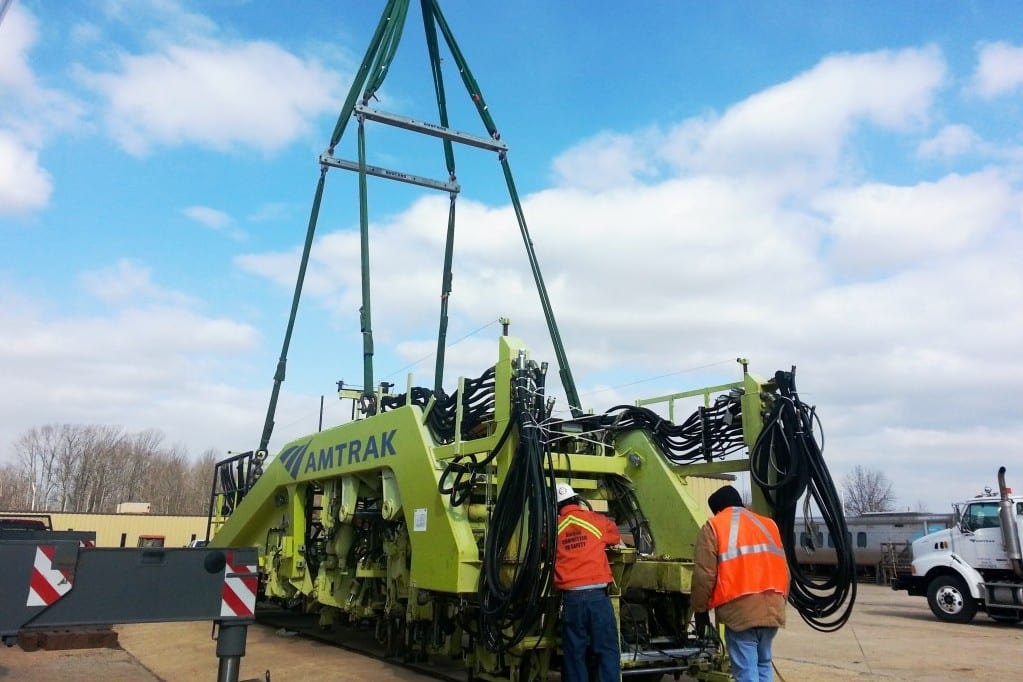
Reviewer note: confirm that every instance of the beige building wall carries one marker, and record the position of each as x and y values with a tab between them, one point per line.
111	529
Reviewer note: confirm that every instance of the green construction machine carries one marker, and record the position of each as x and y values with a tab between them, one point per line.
430	517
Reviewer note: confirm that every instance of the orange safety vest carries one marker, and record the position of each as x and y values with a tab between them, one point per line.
751	559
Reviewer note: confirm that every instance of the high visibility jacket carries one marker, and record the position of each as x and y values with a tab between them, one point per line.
580	559
750	556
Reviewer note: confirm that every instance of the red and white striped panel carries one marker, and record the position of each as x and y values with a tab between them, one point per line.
239	596
48	584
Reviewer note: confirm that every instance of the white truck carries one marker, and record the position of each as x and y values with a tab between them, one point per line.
974	565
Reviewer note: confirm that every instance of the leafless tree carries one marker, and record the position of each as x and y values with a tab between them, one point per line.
78	468
196	495
37	453
867	490
14	488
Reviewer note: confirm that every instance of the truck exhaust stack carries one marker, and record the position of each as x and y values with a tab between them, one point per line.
1010	534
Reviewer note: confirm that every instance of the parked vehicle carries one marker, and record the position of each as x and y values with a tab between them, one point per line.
976	565
880	540
19	521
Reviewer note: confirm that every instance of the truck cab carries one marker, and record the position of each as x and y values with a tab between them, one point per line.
975	564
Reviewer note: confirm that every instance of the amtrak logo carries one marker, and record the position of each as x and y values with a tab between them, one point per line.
293	457
300	459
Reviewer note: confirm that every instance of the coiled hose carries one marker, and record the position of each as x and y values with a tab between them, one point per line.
786	463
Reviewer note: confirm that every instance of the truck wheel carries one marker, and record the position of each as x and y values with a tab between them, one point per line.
950	601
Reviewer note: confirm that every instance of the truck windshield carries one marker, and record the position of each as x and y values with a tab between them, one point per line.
981	515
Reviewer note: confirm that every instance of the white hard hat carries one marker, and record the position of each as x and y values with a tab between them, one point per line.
564	492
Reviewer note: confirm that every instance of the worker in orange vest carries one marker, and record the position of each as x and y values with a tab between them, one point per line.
582	573
740	571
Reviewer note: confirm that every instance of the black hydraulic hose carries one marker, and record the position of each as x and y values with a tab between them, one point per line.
477	399
709	433
786	463
518	558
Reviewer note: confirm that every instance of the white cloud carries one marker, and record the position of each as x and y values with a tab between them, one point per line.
803	124
146	365
999	69
219	96
746	233
24	184
210	217
792	135
898	302
31	111
876	226
274	212
951	141
606	160
215	220
128	281
159	21
18	33
29	117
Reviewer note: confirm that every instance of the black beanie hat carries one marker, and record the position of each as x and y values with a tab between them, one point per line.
723	498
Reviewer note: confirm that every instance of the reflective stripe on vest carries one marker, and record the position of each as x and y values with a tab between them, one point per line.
585	525
735	550
750	557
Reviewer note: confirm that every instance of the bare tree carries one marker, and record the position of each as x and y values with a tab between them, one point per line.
37	452
97	467
867	490
70	441
195	498
14	488
78	468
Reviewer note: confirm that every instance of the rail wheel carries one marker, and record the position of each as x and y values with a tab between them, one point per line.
950	600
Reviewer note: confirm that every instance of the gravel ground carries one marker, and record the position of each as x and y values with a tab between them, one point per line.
891	636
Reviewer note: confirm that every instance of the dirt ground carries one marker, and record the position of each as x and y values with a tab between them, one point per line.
891	636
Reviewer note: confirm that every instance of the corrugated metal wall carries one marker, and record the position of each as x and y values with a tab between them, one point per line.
177	531
701	487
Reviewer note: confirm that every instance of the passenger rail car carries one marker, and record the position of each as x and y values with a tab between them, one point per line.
878	539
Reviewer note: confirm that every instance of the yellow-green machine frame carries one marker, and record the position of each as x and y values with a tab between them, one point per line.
385	520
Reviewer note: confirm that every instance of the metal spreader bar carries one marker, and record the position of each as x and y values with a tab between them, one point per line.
430	129
400	176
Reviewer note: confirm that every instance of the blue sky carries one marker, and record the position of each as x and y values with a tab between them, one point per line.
836	187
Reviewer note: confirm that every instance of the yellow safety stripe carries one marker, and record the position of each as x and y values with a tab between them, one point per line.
573	521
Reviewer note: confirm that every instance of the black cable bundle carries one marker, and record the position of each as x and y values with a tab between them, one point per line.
518	558
709	433
787	453
477	406
628	512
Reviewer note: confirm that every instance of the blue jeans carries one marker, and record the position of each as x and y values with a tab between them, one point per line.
750	653
588	624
